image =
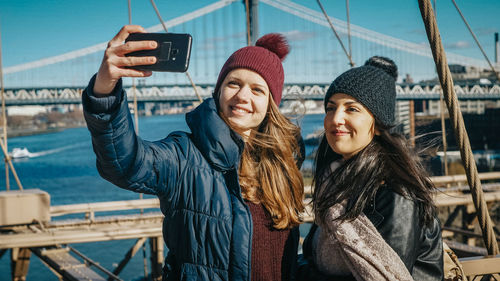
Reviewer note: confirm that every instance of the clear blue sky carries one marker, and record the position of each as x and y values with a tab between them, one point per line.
32	30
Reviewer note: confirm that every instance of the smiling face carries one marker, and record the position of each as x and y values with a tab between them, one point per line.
243	100
349	126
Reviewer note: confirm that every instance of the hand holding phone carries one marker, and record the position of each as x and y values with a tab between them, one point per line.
172	54
115	64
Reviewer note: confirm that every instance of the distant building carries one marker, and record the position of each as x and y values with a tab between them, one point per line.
462	74
482	130
408	79
466	107
27	110
403	115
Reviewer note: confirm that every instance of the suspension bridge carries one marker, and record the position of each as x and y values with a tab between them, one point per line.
185	93
217	30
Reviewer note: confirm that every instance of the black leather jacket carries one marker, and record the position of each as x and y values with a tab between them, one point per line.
397	220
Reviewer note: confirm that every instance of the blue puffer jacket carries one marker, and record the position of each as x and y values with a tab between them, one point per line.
207	226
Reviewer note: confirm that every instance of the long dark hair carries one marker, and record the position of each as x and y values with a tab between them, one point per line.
387	160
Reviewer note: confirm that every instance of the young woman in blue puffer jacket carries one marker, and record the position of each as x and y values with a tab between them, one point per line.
231	190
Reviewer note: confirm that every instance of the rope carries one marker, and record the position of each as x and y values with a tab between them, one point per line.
166	30
477	41
336	34
458	125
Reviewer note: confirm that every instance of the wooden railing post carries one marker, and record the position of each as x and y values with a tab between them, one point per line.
156	246
19	262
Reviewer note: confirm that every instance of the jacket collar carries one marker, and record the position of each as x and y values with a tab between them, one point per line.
220	145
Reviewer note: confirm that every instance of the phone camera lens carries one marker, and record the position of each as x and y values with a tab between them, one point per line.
175	52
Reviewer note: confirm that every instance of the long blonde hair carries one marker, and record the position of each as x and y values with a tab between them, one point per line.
268	170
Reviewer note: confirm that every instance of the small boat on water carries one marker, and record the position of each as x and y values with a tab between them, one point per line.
18	153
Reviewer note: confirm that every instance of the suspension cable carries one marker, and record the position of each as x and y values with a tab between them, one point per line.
247	11
166	30
443	123
159	16
458	125
348	28
4	119
336	34
136	118
136	112
477	41
9	161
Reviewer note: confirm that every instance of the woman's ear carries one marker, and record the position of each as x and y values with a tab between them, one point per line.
377	132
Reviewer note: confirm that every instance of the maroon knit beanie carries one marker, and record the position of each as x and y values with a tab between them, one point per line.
264	58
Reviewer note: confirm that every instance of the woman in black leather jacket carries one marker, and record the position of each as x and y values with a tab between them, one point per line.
374	213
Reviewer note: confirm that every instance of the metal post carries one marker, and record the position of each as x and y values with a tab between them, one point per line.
412	122
496	47
443	134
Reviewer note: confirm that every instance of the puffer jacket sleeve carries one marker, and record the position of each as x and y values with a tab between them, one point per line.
122	157
420	247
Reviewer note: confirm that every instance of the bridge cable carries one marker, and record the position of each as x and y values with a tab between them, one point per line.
336	34
443	123
8	160
166	30
4	119
159	16
136	113
247	10
458	125
477	41
136	119
348	28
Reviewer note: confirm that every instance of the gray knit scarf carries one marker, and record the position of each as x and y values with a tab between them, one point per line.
362	248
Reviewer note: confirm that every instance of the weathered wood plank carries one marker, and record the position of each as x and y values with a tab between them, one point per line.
443	200
70	268
131	230
481	265
104	206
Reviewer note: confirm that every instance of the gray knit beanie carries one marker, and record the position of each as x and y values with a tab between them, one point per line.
373	85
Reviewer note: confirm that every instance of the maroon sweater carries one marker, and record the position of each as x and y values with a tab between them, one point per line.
268	247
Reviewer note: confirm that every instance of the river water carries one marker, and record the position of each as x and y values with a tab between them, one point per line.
63	164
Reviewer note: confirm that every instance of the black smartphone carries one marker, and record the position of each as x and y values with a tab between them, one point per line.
172	53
